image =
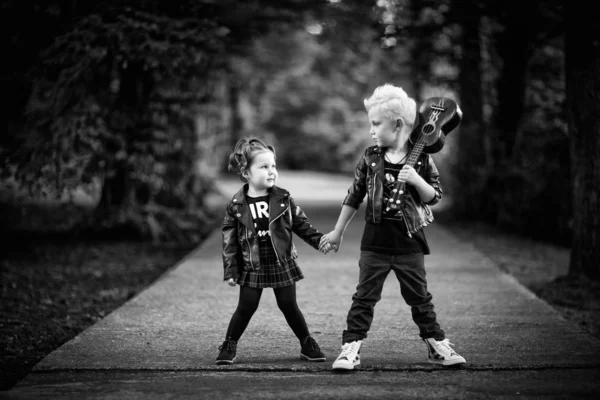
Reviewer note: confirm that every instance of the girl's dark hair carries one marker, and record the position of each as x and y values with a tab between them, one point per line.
243	154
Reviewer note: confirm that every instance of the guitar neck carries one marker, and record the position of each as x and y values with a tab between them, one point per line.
415	153
412	160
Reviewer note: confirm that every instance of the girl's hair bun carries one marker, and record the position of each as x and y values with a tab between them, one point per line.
243	154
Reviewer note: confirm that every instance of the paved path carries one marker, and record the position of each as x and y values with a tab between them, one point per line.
163	342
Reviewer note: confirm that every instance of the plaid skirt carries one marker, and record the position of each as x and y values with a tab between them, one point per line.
270	275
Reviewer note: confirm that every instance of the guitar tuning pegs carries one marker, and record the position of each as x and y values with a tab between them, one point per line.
394	190
397	201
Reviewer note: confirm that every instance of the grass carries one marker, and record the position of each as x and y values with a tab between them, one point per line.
51	290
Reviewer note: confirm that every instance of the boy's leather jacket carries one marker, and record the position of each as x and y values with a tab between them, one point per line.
240	241
369	179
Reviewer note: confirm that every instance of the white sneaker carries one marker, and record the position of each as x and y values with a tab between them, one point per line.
441	353
349	357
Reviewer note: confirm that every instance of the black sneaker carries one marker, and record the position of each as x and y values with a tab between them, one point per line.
311	351
227	354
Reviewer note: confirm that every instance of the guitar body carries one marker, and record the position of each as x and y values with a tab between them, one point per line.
437	117
433	128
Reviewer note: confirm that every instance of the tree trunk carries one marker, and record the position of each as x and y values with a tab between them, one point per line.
236	126
583	102
513	45
472	136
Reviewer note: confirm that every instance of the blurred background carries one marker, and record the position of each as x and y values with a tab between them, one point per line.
130	107
120	115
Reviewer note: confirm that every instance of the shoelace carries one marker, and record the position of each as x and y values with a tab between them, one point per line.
228	346
444	346
312	343
351	349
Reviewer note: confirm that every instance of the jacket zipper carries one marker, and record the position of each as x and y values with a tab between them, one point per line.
406	223
249	248
373	195
271	237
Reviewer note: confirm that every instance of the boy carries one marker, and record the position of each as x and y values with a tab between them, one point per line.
393	239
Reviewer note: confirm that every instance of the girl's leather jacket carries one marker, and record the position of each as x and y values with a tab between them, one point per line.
240	241
369	179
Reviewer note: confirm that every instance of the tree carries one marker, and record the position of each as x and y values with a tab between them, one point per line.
112	100
514	132
115	94
303	86
583	103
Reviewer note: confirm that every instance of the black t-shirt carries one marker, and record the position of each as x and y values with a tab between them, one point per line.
259	210
391	235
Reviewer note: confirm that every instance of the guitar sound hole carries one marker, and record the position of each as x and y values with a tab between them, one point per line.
428	128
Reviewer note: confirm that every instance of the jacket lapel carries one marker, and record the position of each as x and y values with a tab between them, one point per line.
376	164
278	203
242	210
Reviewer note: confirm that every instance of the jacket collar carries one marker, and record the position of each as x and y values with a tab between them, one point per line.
275	192
277	196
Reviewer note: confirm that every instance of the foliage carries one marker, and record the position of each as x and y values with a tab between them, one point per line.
117	97
53	290
536	168
512	164
304	90
146	97
113	98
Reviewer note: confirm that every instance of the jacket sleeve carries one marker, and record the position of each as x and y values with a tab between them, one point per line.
230	246
432	176
358	190
302	227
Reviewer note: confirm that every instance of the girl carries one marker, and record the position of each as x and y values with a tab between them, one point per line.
258	251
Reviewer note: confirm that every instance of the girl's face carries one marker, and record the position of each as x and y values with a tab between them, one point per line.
262	173
383	129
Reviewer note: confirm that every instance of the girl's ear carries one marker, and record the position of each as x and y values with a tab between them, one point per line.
398	123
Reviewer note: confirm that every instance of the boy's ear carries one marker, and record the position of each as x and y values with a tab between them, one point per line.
398	123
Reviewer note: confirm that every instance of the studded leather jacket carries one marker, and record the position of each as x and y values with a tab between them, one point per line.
240	240
369	179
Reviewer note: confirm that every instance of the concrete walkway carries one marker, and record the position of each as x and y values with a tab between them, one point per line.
163	342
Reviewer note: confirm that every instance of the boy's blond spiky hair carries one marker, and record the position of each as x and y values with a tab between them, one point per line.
394	103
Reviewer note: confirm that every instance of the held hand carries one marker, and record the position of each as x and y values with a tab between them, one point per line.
325	247
333	239
231	282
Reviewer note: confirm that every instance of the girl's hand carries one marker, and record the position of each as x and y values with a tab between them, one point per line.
231	282
409	175
326	247
333	238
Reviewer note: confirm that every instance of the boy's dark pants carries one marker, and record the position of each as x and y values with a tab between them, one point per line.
410	271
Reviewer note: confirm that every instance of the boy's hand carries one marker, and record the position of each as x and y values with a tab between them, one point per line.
326	247
333	239
409	175
231	282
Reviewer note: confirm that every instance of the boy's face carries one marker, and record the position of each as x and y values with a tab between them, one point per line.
383	129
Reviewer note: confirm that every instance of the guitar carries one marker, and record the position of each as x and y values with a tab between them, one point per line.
437	117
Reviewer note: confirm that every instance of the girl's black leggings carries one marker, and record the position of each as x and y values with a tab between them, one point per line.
248	303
